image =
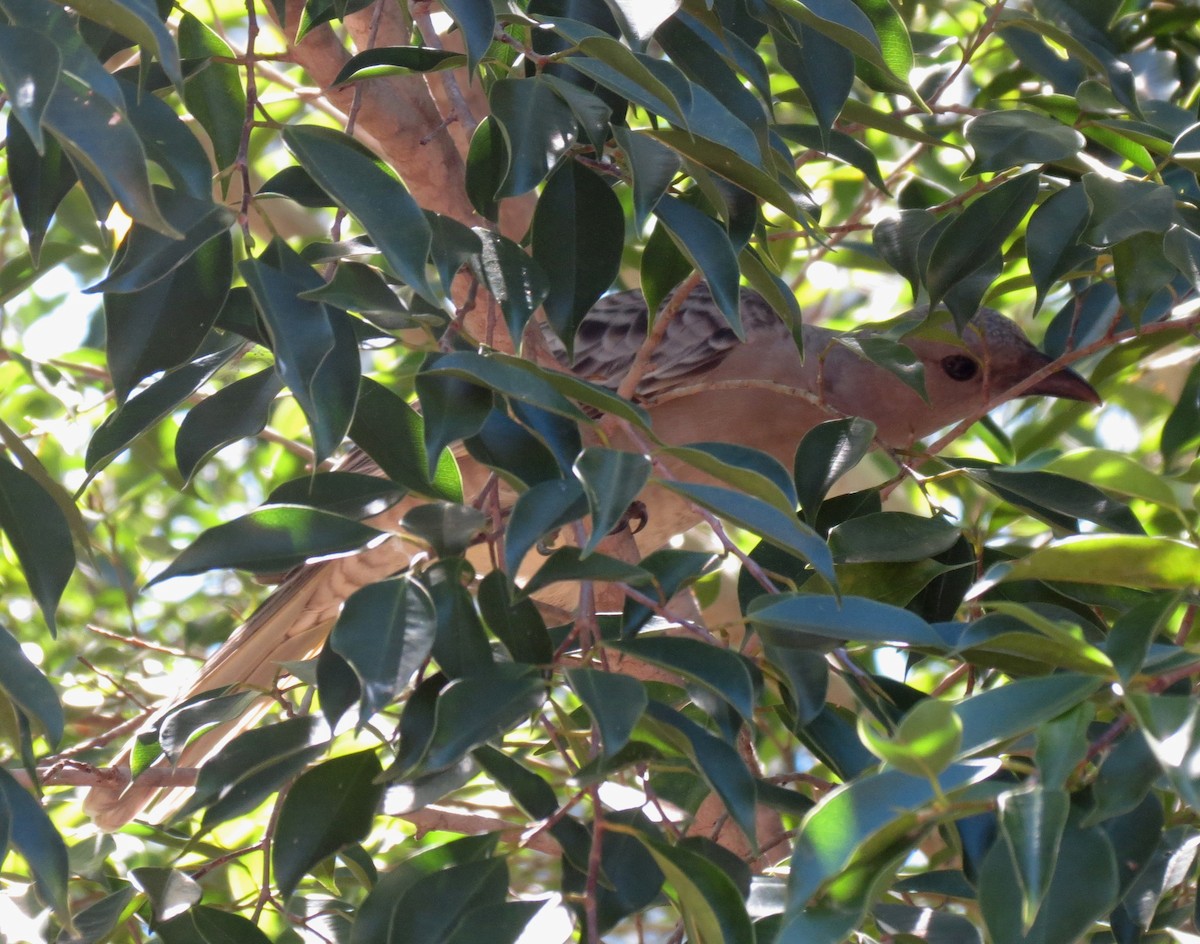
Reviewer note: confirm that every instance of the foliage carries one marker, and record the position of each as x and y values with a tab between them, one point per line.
234	250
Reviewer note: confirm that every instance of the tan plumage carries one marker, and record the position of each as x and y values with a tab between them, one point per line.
703	384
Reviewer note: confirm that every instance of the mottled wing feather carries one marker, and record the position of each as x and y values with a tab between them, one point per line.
696	340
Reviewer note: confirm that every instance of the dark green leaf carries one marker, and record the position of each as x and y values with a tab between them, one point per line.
392	433
316	352
29	689
611	480
205	925
1123	208
234	412
477	708
326	808
578	237
615	702
150	406
768	522
397	60
827	452
713	909
34	836
778	616
974	237
539	128
360	183
385	632
270	540
1005	139
722	671
29	67
40	536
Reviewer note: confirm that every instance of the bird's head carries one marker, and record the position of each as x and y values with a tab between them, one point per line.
964	374
991	357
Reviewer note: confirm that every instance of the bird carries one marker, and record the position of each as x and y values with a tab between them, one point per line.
702	383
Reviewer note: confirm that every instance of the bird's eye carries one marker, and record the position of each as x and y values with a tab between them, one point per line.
960	367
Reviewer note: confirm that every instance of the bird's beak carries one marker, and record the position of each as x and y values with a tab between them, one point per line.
1067	385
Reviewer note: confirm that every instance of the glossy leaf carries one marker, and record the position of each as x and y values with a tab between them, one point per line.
327	807
611	480
234	412
39	535
783	531
29	689
780	616
385	632
723	672
35	838
577	233
614	701
354	177
270	540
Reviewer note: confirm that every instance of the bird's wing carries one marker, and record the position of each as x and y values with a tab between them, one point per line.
696	340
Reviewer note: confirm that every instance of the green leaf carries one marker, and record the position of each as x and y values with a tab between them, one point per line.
171	892
1005	139
252	766
1055	499
29	689
1117	560
40	536
1123	208
327	808
367	189
316	352
706	245
863	814
823	69
652	165
146	255
1082	889
34	836
827	452
777	617
898	238
1142	270
711	906
541	509
397	60
927	739
1053	237
1032	821
206	925
269	540
385	632
477	22
539	129
100	140
99	920
236	411
891	536
973	237
784	531
392	433
505	375
567	564
723	672
140	21
1115	472
29	67
615	702
735	168
488	163
474	709
611	480
214	95
1062	744
746	469
39	183
719	763
515	280
578	237
146	408
1003	713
